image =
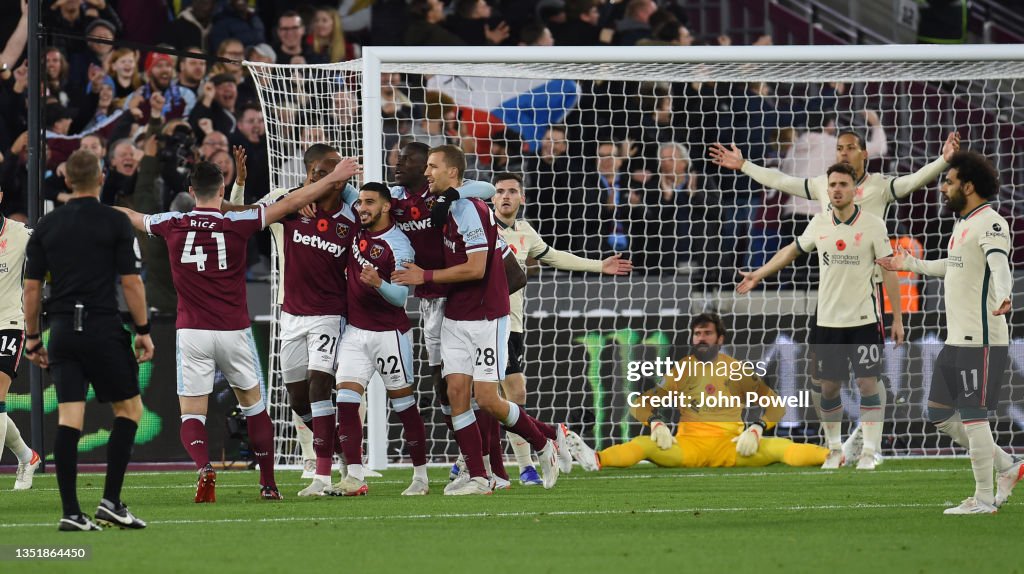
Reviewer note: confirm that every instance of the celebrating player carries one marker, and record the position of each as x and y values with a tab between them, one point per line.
705	435
377	339
14	235
848	329
970	368
474	333
412	206
524	241
874	193
213	319
318	278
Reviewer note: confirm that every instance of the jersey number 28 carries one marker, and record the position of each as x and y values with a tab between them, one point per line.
195	254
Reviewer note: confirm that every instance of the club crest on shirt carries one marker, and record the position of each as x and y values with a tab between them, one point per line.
341	229
857	238
376	251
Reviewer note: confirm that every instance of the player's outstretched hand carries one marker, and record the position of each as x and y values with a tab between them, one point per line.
1003	309
143	348
661	435
894	262
368	276
748	441
616	265
345	169
240	171
750	280
951	146
727	158
411	275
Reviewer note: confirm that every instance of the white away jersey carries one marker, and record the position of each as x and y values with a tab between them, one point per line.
846	258
13	240
970	293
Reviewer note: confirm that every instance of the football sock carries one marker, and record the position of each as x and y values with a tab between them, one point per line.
980	436
324	431
119	452
65	458
350	431
547	430
304	433
524	427
832	421
871	415
16	444
490	434
521	449
467	435
3	422
194	438
261	438
883	398
420	472
413	430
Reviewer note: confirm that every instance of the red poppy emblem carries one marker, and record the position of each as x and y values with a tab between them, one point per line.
362	245
709	389
415	212
840	245
321	225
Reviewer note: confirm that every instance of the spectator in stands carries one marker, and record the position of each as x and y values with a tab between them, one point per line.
217	105
471	22
290	47
250	133
73	18
213	142
98	54
58	119
231	49
101	107
55	189
120	182
177	102
613	193
506	152
240	22
56	76
535	33
226	163
424	25
247	85
191	72
326	39
123	72
636	23
581	27
430	129
677	187
192	26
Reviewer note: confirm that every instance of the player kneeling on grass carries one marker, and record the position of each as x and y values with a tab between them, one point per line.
208	269
377	340
706	436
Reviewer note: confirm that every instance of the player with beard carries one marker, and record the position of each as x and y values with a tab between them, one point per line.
709	436
412	206
377	339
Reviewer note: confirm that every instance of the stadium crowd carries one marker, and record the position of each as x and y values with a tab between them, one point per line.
626	170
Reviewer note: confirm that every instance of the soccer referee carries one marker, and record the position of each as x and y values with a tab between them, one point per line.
84	246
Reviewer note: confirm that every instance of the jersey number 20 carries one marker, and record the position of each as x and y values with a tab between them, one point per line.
195	254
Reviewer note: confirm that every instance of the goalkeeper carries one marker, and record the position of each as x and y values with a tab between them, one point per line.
707	436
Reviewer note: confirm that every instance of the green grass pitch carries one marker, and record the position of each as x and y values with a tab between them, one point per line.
640	520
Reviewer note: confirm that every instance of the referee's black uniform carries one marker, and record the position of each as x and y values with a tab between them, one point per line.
85	246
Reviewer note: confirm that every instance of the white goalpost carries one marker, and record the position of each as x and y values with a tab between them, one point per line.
612	144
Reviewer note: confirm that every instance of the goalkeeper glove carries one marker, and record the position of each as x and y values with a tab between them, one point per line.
661	435
442	204
748	441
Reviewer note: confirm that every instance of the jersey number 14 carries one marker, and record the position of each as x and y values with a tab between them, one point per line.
195	254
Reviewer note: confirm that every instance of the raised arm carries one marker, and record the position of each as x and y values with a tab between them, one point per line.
138	219
295	200
777	263
773	178
478	189
907	184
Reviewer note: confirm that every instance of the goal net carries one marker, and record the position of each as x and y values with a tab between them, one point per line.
614	156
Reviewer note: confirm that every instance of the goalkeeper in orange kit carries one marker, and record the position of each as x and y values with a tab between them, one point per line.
710	431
